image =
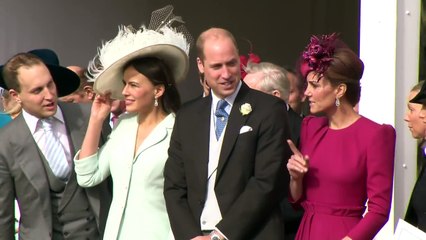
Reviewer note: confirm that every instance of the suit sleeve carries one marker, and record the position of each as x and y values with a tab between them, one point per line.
175	190
380	165
269	183
7	197
94	169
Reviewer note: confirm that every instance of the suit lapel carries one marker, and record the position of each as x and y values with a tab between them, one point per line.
235	122
28	155
158	134
201	122
76	128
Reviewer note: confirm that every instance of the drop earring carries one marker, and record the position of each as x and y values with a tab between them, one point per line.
155	102
337	102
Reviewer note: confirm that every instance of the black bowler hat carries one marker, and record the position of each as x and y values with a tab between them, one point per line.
421	96
66	81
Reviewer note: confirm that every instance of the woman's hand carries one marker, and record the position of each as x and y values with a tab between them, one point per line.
101	106
297	165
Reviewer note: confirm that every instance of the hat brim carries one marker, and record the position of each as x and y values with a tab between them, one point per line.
419	98
66	81
111	79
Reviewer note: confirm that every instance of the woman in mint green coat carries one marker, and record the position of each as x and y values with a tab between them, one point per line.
136	151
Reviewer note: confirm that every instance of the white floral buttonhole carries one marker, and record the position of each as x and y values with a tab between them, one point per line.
245	109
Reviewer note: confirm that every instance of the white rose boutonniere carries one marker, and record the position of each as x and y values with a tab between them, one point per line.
245	109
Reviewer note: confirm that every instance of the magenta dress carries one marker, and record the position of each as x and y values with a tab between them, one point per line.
347	167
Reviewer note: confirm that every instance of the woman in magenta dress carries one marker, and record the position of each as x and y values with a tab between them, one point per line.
345	162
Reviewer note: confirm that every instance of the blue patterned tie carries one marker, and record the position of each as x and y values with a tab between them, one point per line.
221	117
54	151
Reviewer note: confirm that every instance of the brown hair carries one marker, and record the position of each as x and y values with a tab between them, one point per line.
12	66
346	68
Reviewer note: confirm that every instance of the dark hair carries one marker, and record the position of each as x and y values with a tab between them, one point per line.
300	83
158	73
346	68
12	66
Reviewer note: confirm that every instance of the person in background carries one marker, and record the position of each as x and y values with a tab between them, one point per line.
5	117
36	151
296	98
84	93
345	159
224	177
118	107
416	210
11	110
204	85
144	74
10	106
271	79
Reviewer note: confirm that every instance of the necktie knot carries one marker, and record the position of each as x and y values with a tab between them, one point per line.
47	124
220	109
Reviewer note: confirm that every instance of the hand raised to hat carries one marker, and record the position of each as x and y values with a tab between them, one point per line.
101	107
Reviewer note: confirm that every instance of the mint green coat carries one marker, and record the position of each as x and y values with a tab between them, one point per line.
138	208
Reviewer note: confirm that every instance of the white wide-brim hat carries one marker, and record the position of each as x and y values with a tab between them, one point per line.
106	70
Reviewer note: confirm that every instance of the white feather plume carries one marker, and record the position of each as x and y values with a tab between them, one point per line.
128	41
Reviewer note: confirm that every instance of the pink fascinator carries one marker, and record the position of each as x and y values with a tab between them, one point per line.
318	55
244	60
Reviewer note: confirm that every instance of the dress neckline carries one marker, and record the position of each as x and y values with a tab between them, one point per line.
348	127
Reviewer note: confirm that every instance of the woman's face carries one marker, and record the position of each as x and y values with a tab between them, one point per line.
320	93
139	93
413	117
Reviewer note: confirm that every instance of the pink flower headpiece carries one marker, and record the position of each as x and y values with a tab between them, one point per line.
244	60
318	54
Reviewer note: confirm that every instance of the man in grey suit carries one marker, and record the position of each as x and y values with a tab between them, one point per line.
51	204
225	179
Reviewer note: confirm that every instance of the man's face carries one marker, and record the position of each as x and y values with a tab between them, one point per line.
413	118
221	66
118	107
296	97
38	95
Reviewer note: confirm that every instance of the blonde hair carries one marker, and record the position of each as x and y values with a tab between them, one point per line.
11	107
